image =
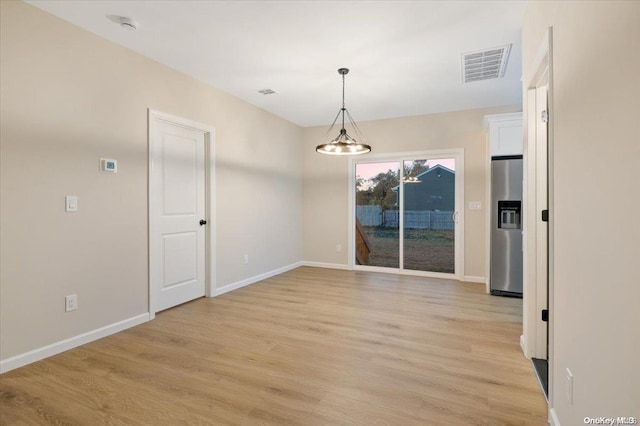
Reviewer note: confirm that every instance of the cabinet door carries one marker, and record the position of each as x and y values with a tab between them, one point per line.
506	137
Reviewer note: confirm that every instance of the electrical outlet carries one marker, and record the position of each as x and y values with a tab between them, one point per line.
71	302
338	248
246	259
569	387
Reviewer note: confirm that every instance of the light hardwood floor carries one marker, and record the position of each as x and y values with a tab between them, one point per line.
308	347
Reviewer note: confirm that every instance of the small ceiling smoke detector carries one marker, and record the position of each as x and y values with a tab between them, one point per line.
128	24
267	91
485	64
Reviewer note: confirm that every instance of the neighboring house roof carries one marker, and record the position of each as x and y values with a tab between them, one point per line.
429	170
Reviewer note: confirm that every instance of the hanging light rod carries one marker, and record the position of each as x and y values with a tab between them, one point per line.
344	144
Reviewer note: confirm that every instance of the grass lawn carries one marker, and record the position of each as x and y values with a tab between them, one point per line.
424	249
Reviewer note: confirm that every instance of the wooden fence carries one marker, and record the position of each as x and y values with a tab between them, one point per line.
413	219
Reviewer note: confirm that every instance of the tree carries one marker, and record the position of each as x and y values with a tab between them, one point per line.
363	192
378	189
381	190
415	167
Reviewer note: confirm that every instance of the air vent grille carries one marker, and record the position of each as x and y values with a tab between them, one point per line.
267	91
485	64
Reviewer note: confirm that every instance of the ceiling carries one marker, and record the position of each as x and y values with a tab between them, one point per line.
404	56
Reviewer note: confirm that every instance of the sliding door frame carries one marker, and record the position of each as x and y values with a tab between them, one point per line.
458	154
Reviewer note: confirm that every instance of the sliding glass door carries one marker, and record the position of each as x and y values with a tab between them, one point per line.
429	215
406	213
377	223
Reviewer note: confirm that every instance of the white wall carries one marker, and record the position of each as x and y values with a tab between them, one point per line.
69	98
326	178
596	153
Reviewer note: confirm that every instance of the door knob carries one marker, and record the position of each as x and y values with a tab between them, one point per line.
203	222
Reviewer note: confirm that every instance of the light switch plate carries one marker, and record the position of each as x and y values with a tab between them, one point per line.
71	203
475	205
569	387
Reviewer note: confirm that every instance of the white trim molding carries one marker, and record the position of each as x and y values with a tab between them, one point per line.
523	346
70	343
536	336
252	280
377	269
542	56
553	417
325	265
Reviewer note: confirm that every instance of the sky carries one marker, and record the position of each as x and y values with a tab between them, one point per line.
369	170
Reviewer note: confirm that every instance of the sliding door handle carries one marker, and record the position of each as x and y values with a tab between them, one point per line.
454	217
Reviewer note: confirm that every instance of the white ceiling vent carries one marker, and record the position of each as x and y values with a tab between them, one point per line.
485	64
267	91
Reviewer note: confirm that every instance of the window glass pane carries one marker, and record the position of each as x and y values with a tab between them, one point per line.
377	219
429	207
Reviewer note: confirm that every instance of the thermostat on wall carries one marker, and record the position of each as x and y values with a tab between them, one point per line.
108	165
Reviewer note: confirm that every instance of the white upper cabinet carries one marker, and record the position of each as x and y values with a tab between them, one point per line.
504	132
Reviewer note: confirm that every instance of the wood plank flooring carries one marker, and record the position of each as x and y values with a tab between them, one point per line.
308	347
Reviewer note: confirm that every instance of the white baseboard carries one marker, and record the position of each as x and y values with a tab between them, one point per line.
251	280
466	278
325	265
523	346
473	279
553	417
70	343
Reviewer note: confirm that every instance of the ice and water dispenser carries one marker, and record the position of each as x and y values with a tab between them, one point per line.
509	214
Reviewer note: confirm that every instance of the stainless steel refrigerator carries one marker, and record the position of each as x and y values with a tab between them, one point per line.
506	226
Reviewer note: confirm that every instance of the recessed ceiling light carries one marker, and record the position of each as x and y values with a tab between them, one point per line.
267	91
128	24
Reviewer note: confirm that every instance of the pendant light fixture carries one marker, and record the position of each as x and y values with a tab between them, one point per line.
411	179
343	144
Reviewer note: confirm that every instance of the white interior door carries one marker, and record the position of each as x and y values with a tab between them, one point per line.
177	207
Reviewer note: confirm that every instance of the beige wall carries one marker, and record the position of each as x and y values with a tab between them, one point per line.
326	178
596	152
69	98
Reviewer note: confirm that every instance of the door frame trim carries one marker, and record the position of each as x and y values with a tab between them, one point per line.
460	197
540	76
541	73
153	117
